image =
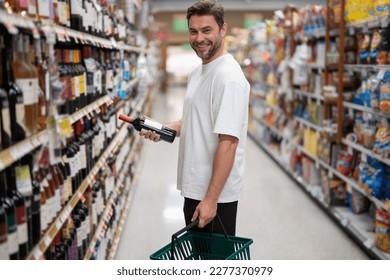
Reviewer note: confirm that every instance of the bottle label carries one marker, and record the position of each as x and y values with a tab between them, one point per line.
83	156
153	124
21	118
32	9
22	225
43	216
30	90
44	8
3	245
23	180
13	245
6	120
109	79
82	83
23	4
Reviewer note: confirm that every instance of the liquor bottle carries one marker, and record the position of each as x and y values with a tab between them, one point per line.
82	79
20	204
15	106
3	225
9	207
109	72
43	9
44	84
65	106
143	124
43	203
90	66
27	80
35	210
76	21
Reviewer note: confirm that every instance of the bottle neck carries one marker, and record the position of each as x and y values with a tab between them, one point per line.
8	76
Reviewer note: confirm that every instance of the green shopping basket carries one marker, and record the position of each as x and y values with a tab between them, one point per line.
204	246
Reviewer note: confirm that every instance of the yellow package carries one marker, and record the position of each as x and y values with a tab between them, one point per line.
352	10
382	7
368	8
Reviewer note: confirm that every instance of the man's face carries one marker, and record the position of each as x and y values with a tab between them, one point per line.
206	36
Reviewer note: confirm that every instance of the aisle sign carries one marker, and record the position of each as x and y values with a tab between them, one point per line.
252	19
179	23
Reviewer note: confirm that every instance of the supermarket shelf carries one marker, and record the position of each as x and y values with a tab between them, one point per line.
47	238
373	22
22	148
308	124
365	151
309	94
111	200
355	225
366	67
125	211
332	171
13	22
361	226
271	127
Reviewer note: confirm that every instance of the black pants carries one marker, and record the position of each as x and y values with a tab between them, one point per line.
227	212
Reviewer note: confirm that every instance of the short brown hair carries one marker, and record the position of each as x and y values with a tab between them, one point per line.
207	7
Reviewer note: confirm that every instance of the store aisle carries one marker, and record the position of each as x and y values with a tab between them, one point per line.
281	219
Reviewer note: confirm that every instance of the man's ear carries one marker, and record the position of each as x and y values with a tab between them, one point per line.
224	29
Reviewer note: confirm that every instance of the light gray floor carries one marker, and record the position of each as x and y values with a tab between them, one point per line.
283	221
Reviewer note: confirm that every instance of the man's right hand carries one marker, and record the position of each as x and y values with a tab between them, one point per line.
151	135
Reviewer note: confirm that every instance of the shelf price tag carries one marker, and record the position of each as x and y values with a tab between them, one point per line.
37	254
364	157
344	222
330	173
368	243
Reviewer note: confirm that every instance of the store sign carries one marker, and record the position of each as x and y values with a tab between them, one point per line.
179	23
251	19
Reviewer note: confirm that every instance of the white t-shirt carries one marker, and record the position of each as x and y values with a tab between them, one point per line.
216	102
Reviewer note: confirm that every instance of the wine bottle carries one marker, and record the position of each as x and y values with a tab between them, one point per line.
9	207
142	124
35	211
3	226
20	174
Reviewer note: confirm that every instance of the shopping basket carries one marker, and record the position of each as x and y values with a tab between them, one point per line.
204	246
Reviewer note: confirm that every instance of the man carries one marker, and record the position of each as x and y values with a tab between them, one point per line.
213	127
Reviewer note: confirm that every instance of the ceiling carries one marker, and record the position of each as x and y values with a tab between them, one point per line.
182	5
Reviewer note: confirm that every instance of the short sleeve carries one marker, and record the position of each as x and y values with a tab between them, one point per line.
230	109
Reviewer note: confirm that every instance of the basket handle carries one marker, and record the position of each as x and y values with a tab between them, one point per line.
176	235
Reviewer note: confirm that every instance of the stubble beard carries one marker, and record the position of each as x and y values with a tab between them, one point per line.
213	50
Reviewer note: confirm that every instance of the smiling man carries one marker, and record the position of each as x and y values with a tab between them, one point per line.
213	127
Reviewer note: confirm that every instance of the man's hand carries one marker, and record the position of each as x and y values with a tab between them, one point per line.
205	212
151	135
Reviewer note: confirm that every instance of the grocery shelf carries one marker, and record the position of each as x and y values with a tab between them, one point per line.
366	151
110	201
354	225
15	152
309	94
38	251
372	22
308	124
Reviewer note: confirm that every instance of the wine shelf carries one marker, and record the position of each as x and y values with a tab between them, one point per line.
22	148
106	214
13	22
38	251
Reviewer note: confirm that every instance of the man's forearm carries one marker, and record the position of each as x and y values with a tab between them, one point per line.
176	126
222	165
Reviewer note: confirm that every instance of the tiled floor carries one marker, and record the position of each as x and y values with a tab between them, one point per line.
280	218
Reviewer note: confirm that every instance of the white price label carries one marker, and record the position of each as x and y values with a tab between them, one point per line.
37	254
330	174
47	241
381	74
368	243
350	150
364	157
58	224
344	222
